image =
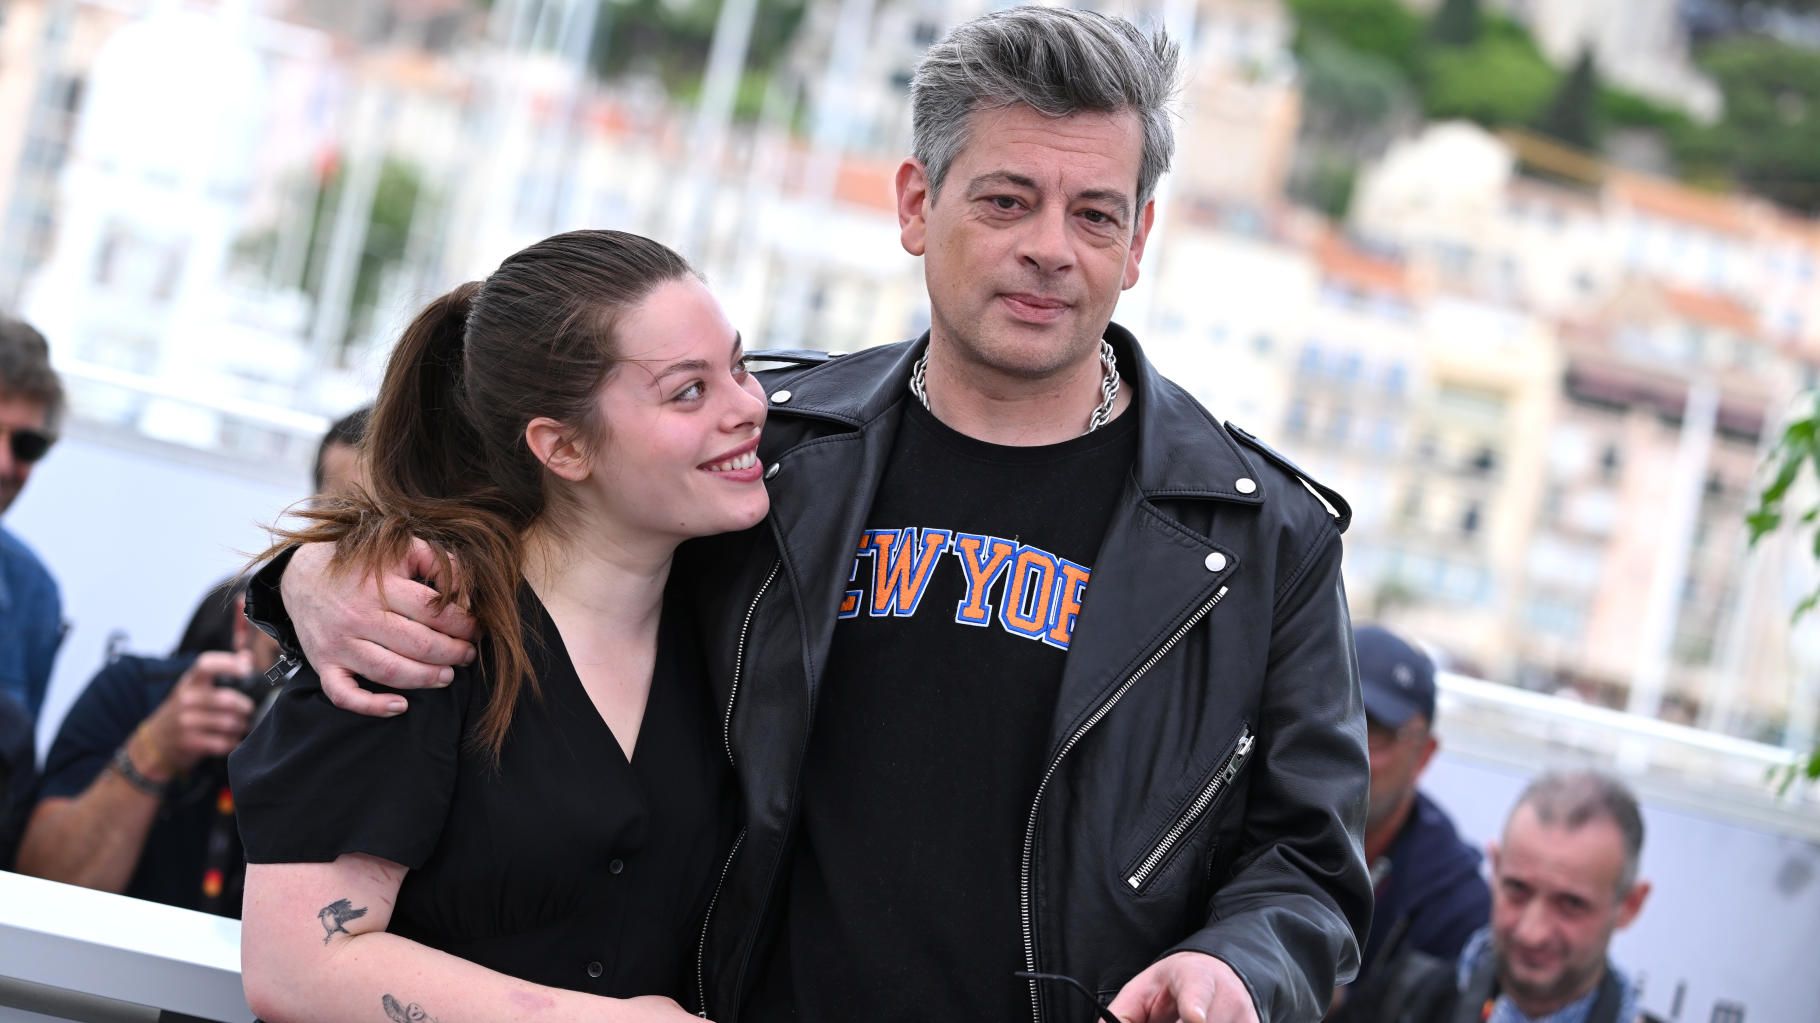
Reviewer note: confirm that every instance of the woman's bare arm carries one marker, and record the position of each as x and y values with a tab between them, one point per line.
314	949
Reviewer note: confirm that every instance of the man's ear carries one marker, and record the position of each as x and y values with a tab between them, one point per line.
1138	238
913	199
1429	745
1632	904
556	446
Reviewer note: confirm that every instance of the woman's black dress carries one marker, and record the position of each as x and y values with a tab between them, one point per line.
565	865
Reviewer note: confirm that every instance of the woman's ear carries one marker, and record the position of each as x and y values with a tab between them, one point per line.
558	448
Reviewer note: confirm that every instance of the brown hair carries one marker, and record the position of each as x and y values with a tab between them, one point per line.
445	451
25	369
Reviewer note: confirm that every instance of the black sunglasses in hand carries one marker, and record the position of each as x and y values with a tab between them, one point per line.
1101	1013
27	444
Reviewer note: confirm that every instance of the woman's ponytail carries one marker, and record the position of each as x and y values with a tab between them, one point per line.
445	454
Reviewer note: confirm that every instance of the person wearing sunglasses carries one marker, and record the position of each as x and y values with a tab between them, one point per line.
31	609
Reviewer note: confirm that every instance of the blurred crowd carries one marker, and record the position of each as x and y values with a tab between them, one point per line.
133	796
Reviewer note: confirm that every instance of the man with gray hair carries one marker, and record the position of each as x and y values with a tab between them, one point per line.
1086	722
1564	880
31	609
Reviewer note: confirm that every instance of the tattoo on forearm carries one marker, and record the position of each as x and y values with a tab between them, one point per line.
412	1013
335	914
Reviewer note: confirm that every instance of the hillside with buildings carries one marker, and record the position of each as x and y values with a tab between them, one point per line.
1544	378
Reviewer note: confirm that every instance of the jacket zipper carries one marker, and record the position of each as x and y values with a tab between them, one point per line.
1235	762
726	738
739	659
1036	804
701	956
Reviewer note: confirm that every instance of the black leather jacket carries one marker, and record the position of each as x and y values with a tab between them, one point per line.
1206	784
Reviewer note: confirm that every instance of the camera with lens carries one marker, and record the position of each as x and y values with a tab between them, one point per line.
257	687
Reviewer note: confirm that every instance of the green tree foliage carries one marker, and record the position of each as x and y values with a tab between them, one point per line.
1573	115
671	38
1457	23
1383	29
1621	108
388	234
1502	79
1797	453
1769	138
1353	103
1352	97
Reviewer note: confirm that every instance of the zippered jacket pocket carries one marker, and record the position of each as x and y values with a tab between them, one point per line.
1162	849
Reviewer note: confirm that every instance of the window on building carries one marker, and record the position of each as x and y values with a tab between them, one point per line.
1295	422
1469	520
1308	363
1339	427
1346	368
1384	436
1611	460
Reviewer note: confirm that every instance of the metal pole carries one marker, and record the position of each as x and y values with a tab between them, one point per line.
708	137
833	118
347	239
1663	609
576	43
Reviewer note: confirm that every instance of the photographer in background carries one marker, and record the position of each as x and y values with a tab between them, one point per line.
337	472
134	797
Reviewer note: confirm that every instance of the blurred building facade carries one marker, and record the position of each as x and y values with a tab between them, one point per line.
1545	394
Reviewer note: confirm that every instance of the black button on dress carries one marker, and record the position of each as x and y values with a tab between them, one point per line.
566	865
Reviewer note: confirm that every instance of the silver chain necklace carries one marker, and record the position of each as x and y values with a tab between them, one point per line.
1109	386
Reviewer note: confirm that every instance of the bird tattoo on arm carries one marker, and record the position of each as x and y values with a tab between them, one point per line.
335	914
412	1013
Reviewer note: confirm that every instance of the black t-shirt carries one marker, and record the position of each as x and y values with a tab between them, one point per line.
18	775
565	865
933	725
174	866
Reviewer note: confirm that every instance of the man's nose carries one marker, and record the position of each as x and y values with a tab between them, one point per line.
1533	923
1045	240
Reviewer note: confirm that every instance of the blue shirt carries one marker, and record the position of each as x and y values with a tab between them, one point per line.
1432	892
31	623
125	693
1503	1010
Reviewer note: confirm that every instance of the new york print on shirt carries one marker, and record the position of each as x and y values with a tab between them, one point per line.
1024	590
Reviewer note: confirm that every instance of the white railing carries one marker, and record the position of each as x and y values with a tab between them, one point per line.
1716	775
68	953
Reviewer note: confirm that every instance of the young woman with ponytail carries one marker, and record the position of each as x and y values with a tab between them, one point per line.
532	841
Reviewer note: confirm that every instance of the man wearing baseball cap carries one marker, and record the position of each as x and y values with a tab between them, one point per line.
1430	895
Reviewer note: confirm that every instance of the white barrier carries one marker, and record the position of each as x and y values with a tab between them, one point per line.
68	953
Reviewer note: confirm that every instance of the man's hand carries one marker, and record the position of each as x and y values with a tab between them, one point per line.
387	631
198	719
1189	987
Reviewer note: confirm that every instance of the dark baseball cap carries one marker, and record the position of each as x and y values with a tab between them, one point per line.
1398	680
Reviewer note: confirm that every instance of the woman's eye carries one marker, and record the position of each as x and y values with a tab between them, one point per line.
740	369
690	393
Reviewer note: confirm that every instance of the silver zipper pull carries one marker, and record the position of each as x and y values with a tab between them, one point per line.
1238	757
